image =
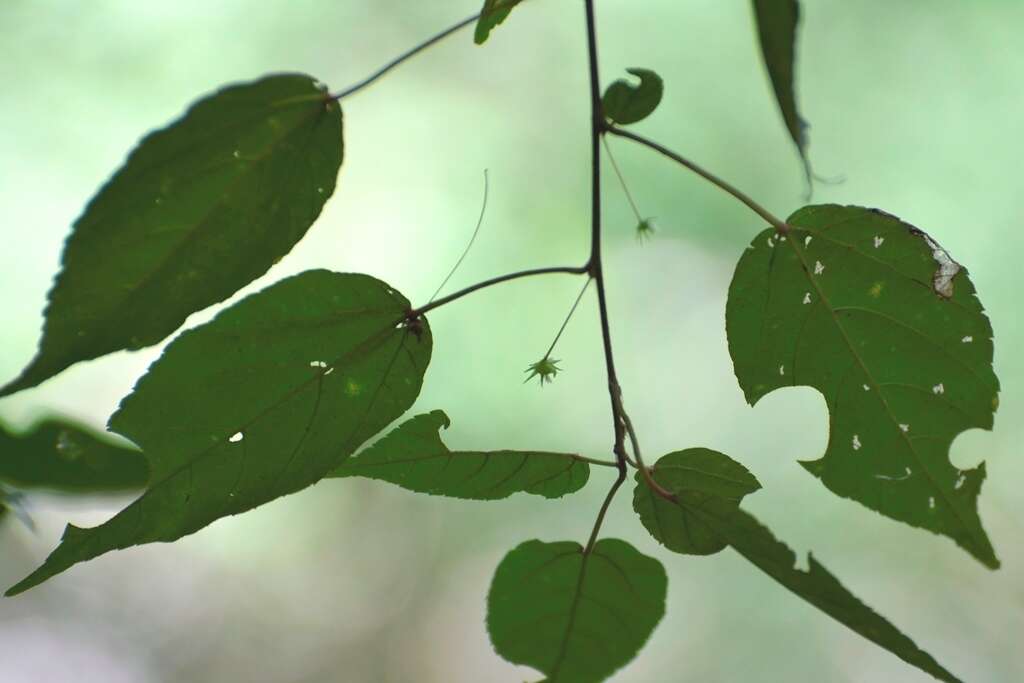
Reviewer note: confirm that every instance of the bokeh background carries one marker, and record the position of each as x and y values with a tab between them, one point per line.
917	103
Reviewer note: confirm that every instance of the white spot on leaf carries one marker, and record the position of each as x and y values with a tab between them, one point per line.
968	339
878	241
899	478
960	481
819	268
931	502
938	389
904	428
782	370
856	442
807	298
807	240
866	387
236	437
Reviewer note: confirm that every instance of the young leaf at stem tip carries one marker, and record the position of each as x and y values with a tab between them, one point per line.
493	13
626	103
576	617
875	315
708	486
262	401
200	209
414	457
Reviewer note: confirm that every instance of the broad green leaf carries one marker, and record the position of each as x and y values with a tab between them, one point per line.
262	401
493	13
875	315
199	209
776	28
413	457
756	543
626	103
59	455
702	480
577	618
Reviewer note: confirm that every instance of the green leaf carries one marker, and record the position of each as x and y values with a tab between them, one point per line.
875	315
776	28
702	480
756	543
199	209
577	618
493	13
59	455
413	457
262	401
625	103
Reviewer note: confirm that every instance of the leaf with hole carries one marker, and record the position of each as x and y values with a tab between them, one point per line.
264	400
703	480
626	103
199	210
493	13
875	315
577	618
777	22
414	457
733	526
59	455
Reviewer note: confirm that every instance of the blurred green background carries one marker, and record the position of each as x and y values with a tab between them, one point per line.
917	103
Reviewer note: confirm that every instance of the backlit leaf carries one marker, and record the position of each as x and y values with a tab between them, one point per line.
876	316
262	401
776	28
701	479
756	543
577	618
199	209
413	457
62	456
626	103
493	13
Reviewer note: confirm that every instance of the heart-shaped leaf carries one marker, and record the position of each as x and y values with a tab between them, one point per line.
576	617
199	210
262	401
414	457
626	103
702	480
874	314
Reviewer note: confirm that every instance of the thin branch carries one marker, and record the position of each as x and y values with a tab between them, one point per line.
476	231
644	471
568	317
604	509
622	180
595	461
417	312
404	56
775	222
